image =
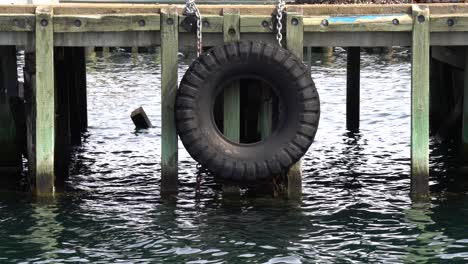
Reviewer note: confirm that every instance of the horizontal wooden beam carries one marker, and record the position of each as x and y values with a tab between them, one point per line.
254	18
17	22
257	23
306	10
379	23
211	23
449	22
107	22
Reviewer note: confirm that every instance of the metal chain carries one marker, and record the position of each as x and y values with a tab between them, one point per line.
279	17
192	9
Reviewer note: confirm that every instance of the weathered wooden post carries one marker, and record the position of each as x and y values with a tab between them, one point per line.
169	83
420	103
352	88
45	105
295	44
231	96
465	111
231	32
62	117
76	75
10	150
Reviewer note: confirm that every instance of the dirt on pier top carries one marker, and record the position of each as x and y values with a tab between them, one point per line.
338	2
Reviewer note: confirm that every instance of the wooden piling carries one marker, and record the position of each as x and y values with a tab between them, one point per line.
10	151
266	112
353	88
45	105
231	32
420	103
169	83
75	58
231	96
465	111
29	73
62	117
295	44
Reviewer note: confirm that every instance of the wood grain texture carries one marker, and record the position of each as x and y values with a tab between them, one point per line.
449	22
420	103
231	32
256	23
17	22
377	23
106	23
45	103
169	82
295	44
211	24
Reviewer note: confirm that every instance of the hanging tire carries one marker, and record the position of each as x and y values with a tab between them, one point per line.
297	123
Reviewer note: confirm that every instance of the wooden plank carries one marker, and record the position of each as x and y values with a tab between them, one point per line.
45	105
449	22
107	23
420	103
231	29
308	10
465	111
251	23
86	8
353	71
169	82
17	22
374	23
295	44
211	24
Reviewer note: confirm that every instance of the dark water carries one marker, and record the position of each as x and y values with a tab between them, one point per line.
355	207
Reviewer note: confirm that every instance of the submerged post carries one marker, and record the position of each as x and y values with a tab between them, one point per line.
169	50
62	118
231	32
295	44
231	113
420	103
352	88
465	111
10	150
45	105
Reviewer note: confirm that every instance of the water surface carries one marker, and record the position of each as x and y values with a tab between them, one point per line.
355	207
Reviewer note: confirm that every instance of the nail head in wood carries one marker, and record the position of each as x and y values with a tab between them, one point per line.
44	22
170	21
421	18
450	22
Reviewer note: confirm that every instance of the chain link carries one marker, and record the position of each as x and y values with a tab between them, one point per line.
192	9
279	17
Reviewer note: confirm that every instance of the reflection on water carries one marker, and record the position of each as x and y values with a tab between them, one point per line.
355	207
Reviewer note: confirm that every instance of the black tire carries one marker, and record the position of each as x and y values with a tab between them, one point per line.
296	126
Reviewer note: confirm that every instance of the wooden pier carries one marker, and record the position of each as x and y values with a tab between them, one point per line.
56	96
